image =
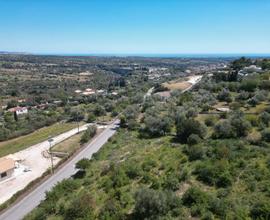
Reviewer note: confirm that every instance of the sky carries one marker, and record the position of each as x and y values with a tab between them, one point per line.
135	26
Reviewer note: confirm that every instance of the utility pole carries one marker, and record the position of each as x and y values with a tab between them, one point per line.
50	140
78	122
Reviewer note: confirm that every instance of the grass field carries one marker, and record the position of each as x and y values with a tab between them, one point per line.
176	85
20	143
69	145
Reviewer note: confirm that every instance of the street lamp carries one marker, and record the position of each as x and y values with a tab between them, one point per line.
50	140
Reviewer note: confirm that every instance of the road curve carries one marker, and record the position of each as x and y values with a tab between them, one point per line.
33	199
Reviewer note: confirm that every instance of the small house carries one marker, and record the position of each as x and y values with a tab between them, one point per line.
7	167
18	111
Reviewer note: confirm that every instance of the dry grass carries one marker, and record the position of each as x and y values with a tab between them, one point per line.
174	85
69	145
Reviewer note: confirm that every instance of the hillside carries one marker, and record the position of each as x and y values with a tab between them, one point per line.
203	154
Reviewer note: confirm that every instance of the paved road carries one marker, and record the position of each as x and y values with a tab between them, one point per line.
33	158
33	199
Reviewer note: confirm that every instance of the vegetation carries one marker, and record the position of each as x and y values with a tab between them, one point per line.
20	143
203	154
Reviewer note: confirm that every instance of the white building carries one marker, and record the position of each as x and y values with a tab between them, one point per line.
19	110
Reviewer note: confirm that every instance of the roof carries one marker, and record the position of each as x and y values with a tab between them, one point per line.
6	164
17	109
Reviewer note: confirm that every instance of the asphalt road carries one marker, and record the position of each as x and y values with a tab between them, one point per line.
33	199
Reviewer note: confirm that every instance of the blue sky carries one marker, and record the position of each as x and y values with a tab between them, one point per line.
135	26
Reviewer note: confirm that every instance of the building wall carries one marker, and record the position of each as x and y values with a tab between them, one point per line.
9	174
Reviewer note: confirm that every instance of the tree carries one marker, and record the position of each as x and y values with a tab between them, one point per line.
83	164
81	207
266	134
76	115
186	127
91	117
249	84
152	204
88	134
99	110
223	130
265	64
155	126
193	139
224	95
240	63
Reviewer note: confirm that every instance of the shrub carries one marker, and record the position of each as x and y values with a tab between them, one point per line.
83	164
91	118
254	137
266	134
224	95
171	183
210	121
119	178
249	85
194	196
88	134
157	126
264	118
81	207
195	152
261	210
223	129
99	110
152	204
214	174
186	127
253	120
193	139
112	210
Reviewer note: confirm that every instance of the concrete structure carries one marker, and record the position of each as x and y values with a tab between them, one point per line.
7	167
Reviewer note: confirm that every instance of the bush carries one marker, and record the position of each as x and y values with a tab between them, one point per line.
249	85
91	118
264	118
88	134
152	204
195	152
223	129
119	178
194	196
193	139
99	110
112	210
214	174
224	95
157	126
266	134
76	115
186	127
83	164
81	207
235	126
261	210
210	121
171	183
